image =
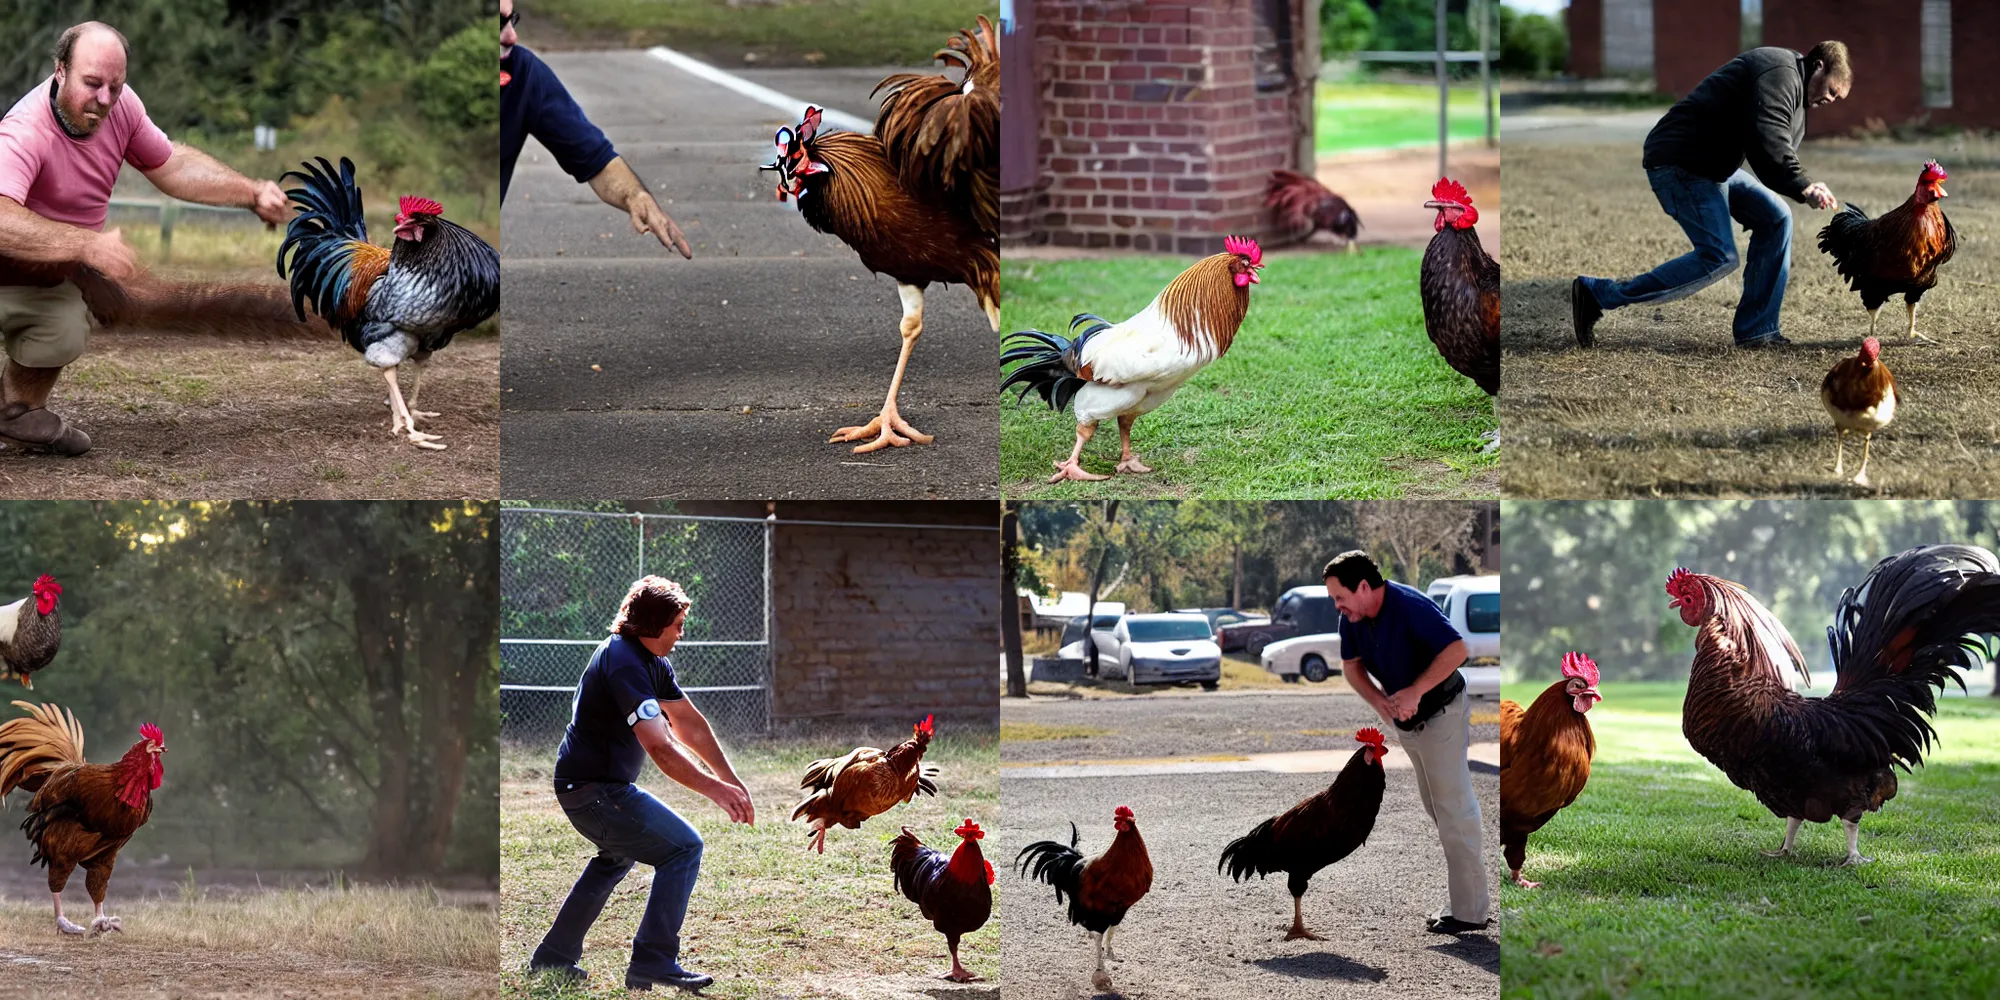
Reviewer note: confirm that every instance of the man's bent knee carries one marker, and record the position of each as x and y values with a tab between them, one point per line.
45	327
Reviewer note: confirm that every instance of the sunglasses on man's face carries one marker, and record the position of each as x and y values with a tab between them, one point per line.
507	19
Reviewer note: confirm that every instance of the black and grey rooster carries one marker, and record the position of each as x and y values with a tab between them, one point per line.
392	305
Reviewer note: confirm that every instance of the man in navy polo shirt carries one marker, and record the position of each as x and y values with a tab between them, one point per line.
533	102
628	707
1401	655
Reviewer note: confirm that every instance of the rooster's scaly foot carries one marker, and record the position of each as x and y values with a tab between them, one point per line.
891	430
64	925
106	923
1132	465
1070	469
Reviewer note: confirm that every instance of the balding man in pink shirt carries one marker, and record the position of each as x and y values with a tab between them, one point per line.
60	151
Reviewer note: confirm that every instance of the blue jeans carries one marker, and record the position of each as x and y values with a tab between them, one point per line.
628	825
1704	208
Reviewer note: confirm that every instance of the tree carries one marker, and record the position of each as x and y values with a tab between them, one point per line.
1413	530
1345	26
1010	601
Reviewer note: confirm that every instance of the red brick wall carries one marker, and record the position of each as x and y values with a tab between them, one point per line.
1975	29
1691	38
1585	22
1882	42
1153	135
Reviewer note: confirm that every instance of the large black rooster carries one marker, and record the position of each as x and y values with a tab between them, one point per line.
955	895
1460	286
1317	832
392	305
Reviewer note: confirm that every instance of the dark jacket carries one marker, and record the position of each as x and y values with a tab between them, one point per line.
1753	108
534	103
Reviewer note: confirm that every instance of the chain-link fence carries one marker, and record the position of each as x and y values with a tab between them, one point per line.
563	574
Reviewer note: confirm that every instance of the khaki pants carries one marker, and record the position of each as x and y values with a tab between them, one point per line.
1437	755
44	327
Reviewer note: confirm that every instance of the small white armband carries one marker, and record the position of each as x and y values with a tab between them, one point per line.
648	709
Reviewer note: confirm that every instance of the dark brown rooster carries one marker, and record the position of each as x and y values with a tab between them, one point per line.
1461	290
1315	833
956	896
1544	757
1860	395
31	631
1899	634
1099	889
80	813
1897	254
918	200
1303	203
847	790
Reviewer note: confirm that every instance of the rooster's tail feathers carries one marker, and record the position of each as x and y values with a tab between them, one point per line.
1246	855
1050	364
908	857
943	136
332	263
1842	235
927	779
1055	864
49	738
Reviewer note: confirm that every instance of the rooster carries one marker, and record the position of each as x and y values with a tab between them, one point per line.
392	305
1101	889
1460	285
1128	369
1860	395
1900	633
1302	203
1544	757
80	813
845	791
918	200
31	631
1315	833
1898	253
956	896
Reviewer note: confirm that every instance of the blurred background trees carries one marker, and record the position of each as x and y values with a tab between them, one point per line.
1529	44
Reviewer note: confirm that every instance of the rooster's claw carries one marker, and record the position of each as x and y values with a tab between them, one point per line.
1071	470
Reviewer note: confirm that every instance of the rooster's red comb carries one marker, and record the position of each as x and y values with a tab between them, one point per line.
1244	246
1450	190
1871	348
152	732
970	830
924	727
1371	736
1122	812
1681	584
47	582
1579	665
418	205
1934	172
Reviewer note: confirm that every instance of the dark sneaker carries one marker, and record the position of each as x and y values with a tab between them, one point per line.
1584	312
683	979
41	429
1768	340
568	974
1453	925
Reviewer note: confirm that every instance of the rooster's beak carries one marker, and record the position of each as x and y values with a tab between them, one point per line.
1253	278
1438	205
1941	193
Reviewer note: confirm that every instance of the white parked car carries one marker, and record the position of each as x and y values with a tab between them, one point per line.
1313	657
1166	649
1473	605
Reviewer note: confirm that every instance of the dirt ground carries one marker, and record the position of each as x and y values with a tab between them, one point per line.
1388	188
1664	406
1197	934
121	966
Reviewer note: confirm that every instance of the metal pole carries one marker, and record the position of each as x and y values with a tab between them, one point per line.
770	648
1486	65
1444	91
640	523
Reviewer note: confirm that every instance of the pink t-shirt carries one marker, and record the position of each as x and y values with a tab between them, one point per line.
69	180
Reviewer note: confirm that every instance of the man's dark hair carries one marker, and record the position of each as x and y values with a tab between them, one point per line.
1351	568
650	606
1833	56
66	42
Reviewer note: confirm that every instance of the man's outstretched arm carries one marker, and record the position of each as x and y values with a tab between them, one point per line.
620	188
192	175
676	764
25	236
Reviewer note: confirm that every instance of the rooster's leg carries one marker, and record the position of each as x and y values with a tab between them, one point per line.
1524	883
1791	834
958	973
894	430
1068	468
1299	922
1861	477
1854	843
402	425
62	923
417	386
1108	953
992	309
1914	335
1873	315
1100	979
96	880
1840	451
1128	462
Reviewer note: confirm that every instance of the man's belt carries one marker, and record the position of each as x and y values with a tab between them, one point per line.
1433	702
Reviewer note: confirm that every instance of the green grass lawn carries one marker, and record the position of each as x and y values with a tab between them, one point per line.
1331	388
767	918
781	32
1654	887
1355	116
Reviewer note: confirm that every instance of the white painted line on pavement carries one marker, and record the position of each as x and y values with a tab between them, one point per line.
756	92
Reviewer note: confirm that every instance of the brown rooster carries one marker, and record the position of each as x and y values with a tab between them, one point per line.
1860	395
1460	285
1128	369
1100	889
1317	832
81	813
956	896
31	631
1304	204
918	200
1544	757
1903	631
845	791
1897	254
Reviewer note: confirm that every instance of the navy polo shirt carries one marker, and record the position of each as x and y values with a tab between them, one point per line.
611	697
535	103
1399	643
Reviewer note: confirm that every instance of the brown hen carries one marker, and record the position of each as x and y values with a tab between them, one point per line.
846	791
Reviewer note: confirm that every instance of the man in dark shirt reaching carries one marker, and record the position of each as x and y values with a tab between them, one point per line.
533	102
1752	109
628	707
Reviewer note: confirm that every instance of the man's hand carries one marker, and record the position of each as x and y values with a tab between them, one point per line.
269	202
1403	704
648	217
734	800
1820	196
108	254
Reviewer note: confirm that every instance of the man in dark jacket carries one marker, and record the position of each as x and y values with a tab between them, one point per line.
533	102
1752	109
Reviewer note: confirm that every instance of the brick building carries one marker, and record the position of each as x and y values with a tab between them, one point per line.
1153	125
1911	59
